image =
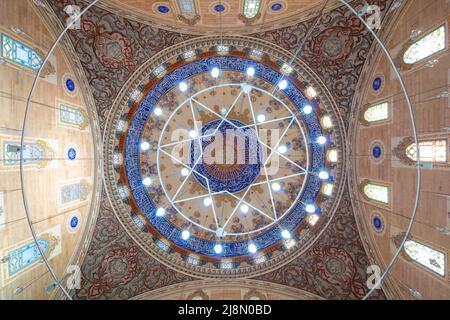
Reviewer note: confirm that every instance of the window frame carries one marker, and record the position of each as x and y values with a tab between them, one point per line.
404	143
429	140
24	42
422	266
374	202
367	106
245	3
250	20
409	43
83	126
186	18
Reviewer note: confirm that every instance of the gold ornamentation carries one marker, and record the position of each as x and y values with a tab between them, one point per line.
400	151
48	153
48	69
85	189
249	21
397	241
52	241
189	21
85	123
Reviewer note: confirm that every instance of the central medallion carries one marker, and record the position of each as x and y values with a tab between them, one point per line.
230	158
233	158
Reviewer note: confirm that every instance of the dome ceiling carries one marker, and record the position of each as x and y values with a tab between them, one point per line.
204	213
125	257
226	16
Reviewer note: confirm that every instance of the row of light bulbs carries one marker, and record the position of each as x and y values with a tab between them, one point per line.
307	109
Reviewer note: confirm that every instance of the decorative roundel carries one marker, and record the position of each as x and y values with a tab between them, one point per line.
72	154
69	85
163	9
73	222
277	7
219	8
224	158
377	222
377	152
378	83
225	177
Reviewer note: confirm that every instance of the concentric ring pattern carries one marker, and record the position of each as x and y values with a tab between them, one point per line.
258	216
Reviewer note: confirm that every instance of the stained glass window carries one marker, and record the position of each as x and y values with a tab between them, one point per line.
430	151
377	192
332	155
326	122
138	222
428	257
123	192
312	219
327	189
256	53
286	69
189	54
162	245
222	48
32	153
377	112
289	243
187	7
20	53
71	192
251	8
311	92
432	43
226	265
192	260
260	259
70	115
159	71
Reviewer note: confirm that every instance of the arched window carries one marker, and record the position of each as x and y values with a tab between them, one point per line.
19	53
375	113
375	192
427	257
187	8
72	116
251	8
198	295
250	11
430	151
188	12
332	155
428	45
326	122
254	295
38	153
327	189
